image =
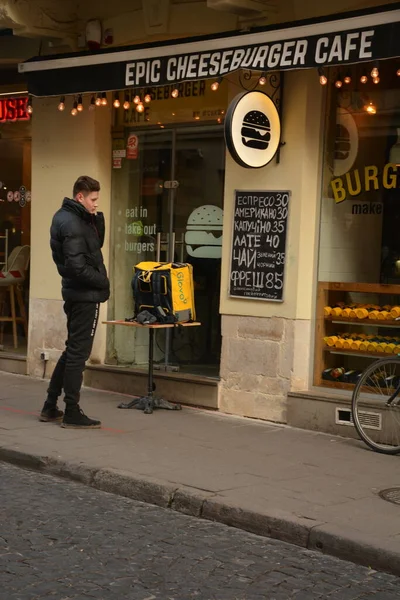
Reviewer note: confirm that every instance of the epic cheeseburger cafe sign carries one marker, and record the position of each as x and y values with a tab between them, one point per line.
339	40
13	109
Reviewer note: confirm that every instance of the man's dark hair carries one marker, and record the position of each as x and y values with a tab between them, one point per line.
86	185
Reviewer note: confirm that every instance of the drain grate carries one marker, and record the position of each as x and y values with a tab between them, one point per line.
391	495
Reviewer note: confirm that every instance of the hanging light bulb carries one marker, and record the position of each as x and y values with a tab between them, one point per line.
370	108
29	107
74	110
98	99
215	84
262	80
376	80
126	103
136	99
175	93
363	78
116	103
147	98
61	105
140	107
79	105
347	78
375	72
104	99
398	72
322	77
92	104
338	82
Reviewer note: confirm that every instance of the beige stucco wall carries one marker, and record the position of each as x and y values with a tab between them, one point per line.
266	348
298	171
63	148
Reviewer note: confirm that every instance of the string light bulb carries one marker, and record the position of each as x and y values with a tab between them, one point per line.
80	104
370	108
338	83
104	99
215	84
347	78
175	93
376	80
29	107
398	72
116	103
147	98
262	80
375	72
126	103
363	78
140	107
74	110
136	99
98	99
92	104
61	105
322	77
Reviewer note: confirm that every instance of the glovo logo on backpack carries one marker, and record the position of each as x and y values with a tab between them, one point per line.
181	278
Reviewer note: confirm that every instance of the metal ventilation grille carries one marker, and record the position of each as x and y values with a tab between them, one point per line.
369	420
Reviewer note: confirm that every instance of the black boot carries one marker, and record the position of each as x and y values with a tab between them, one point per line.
75	418
50	413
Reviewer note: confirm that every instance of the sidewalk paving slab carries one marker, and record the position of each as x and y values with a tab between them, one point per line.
307	488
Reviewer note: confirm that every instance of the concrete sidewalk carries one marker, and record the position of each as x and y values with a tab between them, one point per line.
306	488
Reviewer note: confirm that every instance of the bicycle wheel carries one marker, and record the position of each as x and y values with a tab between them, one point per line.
376	406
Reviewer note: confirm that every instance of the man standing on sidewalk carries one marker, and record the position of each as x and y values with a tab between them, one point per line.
77	236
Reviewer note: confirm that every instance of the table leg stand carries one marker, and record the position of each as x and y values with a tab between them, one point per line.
148	403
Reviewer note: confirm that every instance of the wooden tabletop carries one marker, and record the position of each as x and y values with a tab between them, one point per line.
152	326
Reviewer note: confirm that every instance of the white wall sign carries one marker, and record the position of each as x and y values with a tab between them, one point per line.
346	142
252	129
204	232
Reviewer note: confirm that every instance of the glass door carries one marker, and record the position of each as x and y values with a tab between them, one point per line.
154	220
197	221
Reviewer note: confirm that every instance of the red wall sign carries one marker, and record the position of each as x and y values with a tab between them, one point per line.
13	109
132	147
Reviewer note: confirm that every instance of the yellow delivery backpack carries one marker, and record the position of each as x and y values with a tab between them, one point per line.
165	290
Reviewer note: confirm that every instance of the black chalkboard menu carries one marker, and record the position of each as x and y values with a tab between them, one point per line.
259	245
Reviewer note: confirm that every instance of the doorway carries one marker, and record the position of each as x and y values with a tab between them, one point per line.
169	197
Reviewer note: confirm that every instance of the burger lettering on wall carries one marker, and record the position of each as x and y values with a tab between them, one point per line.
252	129
203	236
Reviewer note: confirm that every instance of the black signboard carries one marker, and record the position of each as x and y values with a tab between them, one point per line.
342	39
259	245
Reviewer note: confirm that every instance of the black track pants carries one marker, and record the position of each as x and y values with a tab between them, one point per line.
82	320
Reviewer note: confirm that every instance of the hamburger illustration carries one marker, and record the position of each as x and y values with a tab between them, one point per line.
346	142
203	236
256	130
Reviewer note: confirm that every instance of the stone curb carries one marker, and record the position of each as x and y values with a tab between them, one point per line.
285	527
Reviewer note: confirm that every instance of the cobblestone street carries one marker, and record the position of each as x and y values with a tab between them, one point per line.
65	541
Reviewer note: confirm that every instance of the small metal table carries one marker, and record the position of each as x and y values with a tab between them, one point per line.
149	402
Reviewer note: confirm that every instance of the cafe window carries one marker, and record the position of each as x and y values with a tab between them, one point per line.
15	215
359	250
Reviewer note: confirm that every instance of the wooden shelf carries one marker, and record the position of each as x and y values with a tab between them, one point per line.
370	288
337	385
366	322
348	352
330	294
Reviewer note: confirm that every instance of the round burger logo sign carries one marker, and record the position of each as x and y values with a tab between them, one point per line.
252	129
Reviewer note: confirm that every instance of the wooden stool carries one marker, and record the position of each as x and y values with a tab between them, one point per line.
15	292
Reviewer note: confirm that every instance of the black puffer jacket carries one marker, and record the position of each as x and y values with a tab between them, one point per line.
76	241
